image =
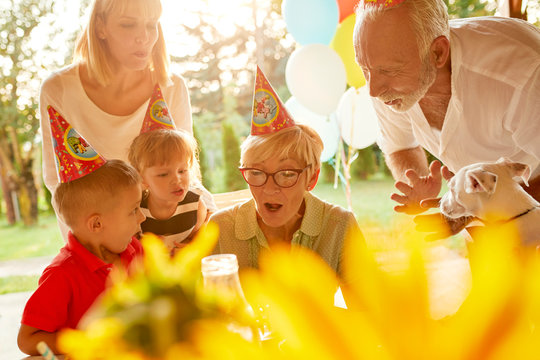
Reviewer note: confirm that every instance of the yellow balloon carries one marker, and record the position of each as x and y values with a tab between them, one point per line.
342	43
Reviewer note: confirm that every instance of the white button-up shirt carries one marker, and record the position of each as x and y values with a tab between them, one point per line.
494	109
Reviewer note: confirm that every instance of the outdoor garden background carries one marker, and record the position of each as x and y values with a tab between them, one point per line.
215	45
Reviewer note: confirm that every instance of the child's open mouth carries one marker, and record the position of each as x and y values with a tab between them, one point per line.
178	192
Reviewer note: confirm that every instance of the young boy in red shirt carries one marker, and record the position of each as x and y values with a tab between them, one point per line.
100	202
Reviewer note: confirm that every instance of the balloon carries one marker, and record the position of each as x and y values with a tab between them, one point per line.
357	118
346	8
311	21
342	43
316	76
326	127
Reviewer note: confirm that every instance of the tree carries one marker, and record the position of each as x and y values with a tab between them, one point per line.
231	157
220	75
468	8
18	120
364	165
203	165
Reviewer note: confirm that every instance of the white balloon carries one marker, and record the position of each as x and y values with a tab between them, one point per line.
316	76
357	118
325	126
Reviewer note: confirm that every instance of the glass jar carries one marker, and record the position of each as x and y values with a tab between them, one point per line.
220	276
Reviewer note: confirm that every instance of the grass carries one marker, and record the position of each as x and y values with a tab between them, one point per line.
373	208
20	242
13	284
370	199
381	226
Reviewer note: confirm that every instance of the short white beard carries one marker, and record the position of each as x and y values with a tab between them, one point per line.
427	77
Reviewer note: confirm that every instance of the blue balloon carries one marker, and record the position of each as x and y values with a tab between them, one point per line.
311	21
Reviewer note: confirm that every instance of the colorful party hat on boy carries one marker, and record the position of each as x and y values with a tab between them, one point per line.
75	158
381	3
157	114
269	114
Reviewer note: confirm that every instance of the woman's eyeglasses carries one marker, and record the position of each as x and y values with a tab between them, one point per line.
285	178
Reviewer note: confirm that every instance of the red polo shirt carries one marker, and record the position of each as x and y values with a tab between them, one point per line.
69	285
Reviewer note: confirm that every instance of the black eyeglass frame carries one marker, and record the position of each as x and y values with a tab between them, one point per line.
268	175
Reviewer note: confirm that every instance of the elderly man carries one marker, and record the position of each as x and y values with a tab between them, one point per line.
467	90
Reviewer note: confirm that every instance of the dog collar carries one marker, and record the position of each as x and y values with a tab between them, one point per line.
502	222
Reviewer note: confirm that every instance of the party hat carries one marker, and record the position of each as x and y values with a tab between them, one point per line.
75	158
381	3
157	114
269	114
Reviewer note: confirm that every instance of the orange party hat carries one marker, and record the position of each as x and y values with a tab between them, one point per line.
269	114
157	114
381	3
75	158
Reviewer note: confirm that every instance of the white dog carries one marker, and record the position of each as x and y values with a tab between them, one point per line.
489	192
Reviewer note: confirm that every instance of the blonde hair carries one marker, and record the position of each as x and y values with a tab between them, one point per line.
155	148
93	191
92	51
429	19
299	142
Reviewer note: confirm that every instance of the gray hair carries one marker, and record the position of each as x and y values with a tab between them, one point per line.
429	19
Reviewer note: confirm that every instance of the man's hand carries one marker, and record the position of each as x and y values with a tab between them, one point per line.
434	202
419	188
440	226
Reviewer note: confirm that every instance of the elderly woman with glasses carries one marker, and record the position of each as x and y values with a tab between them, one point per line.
281	168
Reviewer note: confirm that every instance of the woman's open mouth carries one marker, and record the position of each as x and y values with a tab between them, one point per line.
272	207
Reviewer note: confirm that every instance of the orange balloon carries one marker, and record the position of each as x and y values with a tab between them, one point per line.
346	8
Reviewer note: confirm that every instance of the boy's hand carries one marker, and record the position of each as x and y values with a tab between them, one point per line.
179	246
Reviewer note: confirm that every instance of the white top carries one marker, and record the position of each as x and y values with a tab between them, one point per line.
110	135
494	109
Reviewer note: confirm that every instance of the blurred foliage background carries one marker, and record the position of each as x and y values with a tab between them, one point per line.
37	37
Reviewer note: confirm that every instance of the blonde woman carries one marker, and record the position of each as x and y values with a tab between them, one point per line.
119	59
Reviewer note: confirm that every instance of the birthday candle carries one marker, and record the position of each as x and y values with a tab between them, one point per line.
45	351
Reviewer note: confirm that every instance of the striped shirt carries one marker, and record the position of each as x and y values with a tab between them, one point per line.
176	228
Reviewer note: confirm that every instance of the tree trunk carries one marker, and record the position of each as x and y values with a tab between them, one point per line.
7	191
27	194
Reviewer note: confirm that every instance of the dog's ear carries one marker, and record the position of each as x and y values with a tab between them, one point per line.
521	170
517	169
480	181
